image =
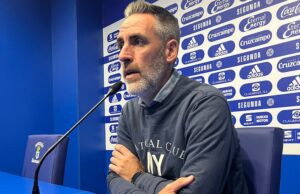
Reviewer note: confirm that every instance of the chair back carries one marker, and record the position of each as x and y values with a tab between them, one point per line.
261	150
52	169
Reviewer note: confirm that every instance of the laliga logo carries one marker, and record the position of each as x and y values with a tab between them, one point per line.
38	146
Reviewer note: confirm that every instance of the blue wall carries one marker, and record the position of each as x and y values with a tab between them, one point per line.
25	77
90	85
50	76
76	29
65	81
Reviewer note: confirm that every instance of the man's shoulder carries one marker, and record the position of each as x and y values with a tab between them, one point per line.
197	89
132	103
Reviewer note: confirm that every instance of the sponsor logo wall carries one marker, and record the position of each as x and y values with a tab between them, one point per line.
249	50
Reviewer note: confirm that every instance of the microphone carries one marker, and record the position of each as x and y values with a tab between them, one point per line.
112	90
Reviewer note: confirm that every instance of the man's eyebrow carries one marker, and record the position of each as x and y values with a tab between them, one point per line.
138	35
132	36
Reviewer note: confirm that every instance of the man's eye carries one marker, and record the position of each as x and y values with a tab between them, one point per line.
138	41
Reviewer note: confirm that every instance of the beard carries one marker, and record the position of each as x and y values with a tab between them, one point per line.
150	81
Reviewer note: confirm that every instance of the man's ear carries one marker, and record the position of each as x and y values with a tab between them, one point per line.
171	50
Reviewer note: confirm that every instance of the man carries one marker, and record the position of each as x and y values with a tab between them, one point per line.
176	127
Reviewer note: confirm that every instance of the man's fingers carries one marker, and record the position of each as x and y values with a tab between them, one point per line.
181	182
117	154
113	168
122	149
114	161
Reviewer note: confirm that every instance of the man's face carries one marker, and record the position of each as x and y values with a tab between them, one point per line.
142	55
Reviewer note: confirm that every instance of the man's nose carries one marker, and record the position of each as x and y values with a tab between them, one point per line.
126	54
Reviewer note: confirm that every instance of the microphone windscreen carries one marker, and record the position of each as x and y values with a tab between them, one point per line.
115	88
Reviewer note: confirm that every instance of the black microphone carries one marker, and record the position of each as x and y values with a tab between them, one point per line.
112	90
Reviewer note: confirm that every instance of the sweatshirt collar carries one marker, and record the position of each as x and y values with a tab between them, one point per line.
165	90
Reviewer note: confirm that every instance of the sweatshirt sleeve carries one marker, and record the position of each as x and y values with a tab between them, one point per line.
210	146
145	184
117	185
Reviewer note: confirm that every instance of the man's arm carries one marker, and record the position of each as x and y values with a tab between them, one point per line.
173	187
210	146
118	185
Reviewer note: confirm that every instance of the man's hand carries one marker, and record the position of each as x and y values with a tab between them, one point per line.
175	186
124	163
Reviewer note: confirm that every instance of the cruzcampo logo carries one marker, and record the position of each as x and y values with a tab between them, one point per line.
38	146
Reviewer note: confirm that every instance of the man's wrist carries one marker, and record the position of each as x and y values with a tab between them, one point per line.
135	176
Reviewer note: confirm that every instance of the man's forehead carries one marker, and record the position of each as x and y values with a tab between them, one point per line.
137	22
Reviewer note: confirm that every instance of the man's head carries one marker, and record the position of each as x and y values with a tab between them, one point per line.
148	42
167	25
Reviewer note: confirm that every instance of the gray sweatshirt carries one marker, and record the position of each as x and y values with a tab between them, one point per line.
187	131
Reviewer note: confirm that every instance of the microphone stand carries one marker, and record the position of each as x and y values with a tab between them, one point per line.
112	90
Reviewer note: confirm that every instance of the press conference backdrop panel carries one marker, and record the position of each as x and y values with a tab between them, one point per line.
249	50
